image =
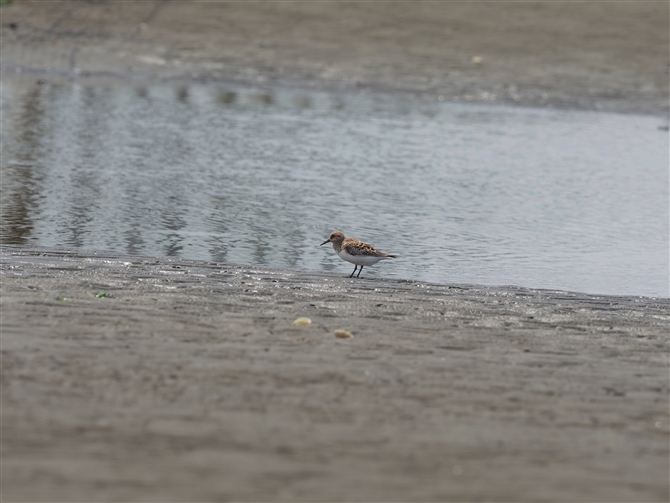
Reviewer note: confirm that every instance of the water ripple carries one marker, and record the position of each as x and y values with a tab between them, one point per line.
462	193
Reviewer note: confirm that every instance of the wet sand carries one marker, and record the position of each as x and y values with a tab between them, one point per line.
587	55
188	382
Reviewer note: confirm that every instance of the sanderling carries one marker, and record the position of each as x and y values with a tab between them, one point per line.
355	251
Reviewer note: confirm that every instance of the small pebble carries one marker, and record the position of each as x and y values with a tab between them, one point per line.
343	334
302	321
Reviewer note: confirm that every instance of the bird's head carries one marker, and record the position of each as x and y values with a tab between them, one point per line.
336	237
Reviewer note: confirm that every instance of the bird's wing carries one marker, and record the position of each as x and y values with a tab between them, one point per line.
356	247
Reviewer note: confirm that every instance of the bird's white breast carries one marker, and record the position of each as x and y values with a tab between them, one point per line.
359	259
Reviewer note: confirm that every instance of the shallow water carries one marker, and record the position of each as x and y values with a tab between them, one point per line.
462	193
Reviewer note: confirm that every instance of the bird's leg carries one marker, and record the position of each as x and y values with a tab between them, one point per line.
355	267
359	272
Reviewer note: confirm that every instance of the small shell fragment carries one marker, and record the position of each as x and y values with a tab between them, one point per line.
343	334
302	321
477	60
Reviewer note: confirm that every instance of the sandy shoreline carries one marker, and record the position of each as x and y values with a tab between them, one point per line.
187	380
189	383
610	56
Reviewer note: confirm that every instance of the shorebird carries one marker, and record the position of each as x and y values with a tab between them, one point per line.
355	251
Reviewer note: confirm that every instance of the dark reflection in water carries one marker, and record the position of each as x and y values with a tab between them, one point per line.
302	101
226	97
463	194
173	223
16	217
142	92
182	94
263	98
20	176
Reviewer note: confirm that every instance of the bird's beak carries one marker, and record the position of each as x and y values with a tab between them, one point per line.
326	241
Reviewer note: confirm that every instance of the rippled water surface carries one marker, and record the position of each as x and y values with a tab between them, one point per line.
463	194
